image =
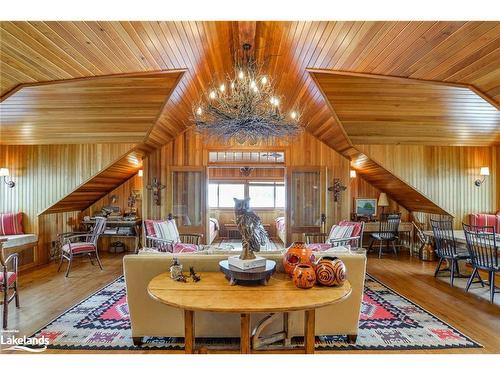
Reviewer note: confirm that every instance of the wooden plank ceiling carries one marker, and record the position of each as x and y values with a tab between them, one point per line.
99	185
112	109
463	52
386	110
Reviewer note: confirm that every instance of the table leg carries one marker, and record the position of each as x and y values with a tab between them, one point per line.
309	330
245	334
189	331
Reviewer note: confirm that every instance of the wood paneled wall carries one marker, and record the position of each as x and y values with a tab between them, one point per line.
43	175
445	174
189	149
362	189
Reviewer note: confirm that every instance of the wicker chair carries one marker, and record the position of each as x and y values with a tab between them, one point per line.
483	250
8	282
81	244
446	248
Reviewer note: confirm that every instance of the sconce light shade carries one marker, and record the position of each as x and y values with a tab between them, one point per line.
484	171
352	173
4	172
382	200
141	173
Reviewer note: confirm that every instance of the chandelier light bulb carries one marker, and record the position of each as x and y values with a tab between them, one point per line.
263	80
232	85
255	89
212	95
252	84
241	75
293	115
222	88
199	111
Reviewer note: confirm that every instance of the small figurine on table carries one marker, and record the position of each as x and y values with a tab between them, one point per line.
175	269
193	275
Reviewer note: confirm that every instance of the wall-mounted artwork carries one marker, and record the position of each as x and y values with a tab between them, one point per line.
366	206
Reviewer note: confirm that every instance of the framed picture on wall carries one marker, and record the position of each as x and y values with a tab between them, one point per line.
366	206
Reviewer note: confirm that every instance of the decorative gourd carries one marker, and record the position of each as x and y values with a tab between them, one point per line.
295	254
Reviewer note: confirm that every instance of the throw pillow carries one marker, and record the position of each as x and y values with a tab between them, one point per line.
166	230
11	224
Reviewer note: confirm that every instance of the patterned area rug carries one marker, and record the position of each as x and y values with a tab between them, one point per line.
388	321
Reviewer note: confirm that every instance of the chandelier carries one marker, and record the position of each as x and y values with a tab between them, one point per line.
245	108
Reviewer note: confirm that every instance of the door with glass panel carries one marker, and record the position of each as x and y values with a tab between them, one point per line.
306	201
188	198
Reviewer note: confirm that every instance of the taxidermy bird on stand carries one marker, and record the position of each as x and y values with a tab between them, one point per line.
252	231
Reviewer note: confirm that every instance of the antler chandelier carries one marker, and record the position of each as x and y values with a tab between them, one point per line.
245	108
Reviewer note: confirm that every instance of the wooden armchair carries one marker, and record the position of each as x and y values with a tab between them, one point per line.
74	244
8	281
345	233
164	236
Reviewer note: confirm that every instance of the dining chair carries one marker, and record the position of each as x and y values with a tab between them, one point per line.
79	244
388	232
483	250
446	248
8	282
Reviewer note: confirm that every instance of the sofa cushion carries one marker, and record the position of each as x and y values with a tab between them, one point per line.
78	247
489	220
184	248
11	277
11	223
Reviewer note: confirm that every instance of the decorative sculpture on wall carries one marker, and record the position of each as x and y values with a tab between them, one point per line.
155	188
246	171
337	188
250	226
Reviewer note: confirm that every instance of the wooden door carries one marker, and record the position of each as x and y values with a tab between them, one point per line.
188	190
306	201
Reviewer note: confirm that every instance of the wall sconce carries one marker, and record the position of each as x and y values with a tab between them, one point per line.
141	173
4	172
352	173
484	171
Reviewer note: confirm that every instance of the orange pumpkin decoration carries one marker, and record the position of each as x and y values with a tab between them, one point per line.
330	271
296	254
304	276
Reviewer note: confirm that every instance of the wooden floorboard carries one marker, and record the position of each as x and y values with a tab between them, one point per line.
45	294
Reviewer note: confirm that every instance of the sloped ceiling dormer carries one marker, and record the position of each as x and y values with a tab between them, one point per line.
110	109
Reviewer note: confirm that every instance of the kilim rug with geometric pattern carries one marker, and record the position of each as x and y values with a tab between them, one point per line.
388	321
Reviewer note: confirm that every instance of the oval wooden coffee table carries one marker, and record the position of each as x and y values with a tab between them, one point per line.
214	294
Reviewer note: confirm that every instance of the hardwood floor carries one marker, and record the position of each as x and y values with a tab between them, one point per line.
45	294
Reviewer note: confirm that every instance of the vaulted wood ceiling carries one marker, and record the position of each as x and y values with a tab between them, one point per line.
462	52
119	108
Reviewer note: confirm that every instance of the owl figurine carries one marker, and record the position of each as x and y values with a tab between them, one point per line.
250	226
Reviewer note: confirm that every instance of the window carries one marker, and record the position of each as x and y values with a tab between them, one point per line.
221	195
262	194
